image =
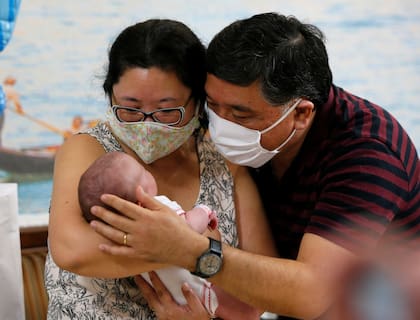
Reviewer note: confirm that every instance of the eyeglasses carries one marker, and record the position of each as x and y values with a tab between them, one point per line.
168	116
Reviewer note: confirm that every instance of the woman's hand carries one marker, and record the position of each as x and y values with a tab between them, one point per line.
163	304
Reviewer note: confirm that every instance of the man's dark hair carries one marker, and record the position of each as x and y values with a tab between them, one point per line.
287	57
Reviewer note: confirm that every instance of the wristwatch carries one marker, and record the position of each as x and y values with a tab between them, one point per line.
210	262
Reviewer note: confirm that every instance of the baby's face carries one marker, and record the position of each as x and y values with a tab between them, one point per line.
148	183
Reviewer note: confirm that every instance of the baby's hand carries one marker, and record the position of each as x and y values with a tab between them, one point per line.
211	216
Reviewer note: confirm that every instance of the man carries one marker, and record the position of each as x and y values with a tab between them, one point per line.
339	177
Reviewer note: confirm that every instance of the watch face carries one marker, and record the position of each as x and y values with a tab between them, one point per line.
210	264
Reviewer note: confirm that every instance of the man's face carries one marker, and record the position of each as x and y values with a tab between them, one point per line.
247	107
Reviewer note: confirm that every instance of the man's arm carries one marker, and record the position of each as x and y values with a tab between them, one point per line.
302	289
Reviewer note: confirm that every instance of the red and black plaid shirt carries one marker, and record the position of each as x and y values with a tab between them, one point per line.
356	181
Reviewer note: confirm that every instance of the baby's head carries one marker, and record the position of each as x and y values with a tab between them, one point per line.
115	173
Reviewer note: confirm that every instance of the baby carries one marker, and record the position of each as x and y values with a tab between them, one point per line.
119	174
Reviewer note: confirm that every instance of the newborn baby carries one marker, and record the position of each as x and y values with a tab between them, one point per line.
120	174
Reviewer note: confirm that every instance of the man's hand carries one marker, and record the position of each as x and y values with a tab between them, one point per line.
153	231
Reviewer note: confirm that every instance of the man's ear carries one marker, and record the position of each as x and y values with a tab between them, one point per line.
305	111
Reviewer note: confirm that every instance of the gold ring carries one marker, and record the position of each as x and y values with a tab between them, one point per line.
125	239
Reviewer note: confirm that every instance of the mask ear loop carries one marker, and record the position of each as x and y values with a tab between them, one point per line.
286	141
203	116
199	117
293	107
197	108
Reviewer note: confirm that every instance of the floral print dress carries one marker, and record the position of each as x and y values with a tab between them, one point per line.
72	296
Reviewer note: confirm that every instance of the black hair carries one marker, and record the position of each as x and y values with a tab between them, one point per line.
166	44
287	57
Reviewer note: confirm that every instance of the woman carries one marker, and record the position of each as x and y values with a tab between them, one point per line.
155	84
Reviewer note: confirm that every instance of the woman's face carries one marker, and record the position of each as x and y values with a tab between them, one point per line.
152	89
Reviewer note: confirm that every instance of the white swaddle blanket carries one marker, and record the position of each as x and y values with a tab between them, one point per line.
175	277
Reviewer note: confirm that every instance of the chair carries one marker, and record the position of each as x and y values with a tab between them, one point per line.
33	241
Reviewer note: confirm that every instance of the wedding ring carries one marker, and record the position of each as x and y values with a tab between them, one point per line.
125	239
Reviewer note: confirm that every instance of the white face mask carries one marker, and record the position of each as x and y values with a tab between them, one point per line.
152	140
242	145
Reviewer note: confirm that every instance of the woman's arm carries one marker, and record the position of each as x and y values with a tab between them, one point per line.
72	242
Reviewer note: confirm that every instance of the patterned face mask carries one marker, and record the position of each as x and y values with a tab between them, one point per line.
152	140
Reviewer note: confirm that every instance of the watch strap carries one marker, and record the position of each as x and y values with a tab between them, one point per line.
215	248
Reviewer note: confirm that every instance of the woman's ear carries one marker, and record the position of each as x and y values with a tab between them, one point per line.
305	111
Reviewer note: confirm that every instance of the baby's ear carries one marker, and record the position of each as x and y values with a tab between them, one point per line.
150	189
149	184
